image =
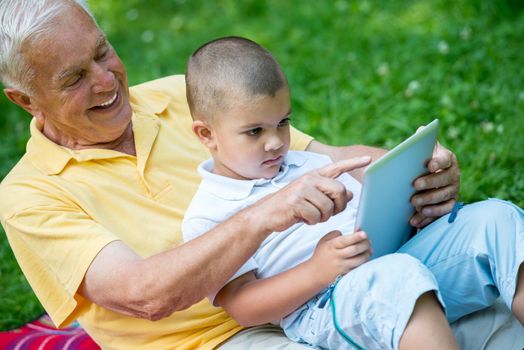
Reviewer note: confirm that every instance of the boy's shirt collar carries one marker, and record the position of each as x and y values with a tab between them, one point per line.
234	189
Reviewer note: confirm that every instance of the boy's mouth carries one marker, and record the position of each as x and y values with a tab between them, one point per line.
273	161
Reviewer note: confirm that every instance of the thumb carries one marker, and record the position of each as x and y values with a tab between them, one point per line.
329	236
441	158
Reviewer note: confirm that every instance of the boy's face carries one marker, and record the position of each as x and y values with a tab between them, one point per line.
251	140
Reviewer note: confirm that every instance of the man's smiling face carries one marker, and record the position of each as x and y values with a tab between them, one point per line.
80	90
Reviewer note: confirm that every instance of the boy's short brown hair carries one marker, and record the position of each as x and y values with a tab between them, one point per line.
224	70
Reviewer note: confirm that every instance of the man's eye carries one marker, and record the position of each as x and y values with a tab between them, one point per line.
102	54
75	79
254	132
284	122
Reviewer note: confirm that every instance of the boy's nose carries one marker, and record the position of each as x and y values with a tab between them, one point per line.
273	143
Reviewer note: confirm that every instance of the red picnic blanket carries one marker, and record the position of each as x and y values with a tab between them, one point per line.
42	335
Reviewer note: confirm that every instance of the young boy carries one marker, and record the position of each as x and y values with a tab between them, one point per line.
240	102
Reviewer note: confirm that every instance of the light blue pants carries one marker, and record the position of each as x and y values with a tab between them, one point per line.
468	263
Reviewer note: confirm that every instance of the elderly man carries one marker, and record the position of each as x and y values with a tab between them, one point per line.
93	209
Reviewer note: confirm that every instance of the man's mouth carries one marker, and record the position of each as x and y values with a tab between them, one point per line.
109	103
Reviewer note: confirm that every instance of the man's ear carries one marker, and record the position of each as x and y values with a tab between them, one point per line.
205	134
23	100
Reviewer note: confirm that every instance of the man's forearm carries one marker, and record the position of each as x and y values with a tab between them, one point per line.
156	286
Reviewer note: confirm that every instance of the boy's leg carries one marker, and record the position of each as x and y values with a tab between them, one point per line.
518	300
372	305
428	327
476	258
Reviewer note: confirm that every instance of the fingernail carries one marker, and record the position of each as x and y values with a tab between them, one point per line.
421	183
427	211
365	158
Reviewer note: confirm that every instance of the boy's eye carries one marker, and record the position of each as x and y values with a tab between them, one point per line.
254	132
284	122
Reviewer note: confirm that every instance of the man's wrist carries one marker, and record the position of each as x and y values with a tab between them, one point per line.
254	222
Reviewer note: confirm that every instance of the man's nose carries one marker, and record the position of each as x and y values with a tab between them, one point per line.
103	79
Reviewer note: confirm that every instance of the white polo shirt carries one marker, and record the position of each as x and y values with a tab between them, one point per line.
219	197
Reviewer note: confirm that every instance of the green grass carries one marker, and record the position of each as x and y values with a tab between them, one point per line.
361	72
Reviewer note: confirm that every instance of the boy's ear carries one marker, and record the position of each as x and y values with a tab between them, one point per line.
23	100
204	132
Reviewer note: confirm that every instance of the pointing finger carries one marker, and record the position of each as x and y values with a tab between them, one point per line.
334	170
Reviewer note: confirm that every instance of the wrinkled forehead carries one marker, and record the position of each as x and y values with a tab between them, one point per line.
48	18
68	40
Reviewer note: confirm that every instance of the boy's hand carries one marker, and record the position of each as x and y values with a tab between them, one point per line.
336	255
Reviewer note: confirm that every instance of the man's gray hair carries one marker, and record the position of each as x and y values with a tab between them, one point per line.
22	21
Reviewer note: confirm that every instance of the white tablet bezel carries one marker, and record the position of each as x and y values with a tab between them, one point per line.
385	208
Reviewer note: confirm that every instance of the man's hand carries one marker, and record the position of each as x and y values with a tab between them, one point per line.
312	198
437	191
337	255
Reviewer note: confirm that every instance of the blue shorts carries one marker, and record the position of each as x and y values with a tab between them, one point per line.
468	263
476	258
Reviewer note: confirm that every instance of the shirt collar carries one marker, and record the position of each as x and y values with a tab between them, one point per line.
51	158
149	101
234	189
46	155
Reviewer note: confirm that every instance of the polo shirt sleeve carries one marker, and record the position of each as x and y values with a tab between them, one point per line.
55	244
299	140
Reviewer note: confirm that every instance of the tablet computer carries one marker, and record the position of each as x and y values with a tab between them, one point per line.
385	209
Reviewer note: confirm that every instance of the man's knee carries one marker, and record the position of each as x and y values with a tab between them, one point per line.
490	217
492	210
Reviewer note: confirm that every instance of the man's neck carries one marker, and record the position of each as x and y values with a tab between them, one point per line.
125	143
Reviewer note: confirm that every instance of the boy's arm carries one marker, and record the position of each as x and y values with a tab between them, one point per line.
251	301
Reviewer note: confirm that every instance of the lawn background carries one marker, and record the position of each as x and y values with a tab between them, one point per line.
365	72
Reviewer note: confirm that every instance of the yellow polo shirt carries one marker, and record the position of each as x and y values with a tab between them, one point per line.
60	207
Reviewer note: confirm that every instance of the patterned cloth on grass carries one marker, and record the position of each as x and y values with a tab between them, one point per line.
42	335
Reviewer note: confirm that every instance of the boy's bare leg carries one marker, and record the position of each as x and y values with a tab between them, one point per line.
428	327
518	300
